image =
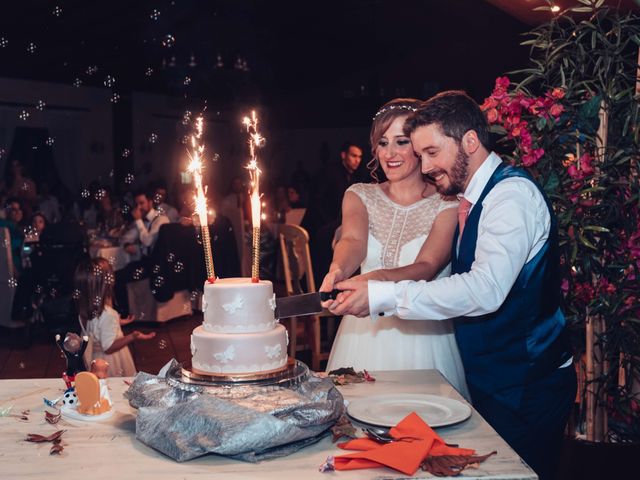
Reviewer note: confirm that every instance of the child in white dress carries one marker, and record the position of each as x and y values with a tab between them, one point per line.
94	280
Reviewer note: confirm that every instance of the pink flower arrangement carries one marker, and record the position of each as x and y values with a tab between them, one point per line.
511	110
580	168
584	292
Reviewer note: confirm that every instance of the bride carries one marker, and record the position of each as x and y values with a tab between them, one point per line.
401	229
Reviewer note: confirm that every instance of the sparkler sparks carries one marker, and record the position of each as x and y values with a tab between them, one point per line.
256	140
195	168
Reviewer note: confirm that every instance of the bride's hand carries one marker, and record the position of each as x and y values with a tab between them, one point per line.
334	276
373	275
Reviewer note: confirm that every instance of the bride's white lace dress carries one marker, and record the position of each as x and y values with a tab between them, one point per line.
396	234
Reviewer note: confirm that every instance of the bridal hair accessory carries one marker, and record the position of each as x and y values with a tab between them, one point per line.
395	107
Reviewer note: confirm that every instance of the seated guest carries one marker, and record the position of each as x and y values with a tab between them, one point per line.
294	197
22	308
185	205
238	197
35	228
280	200
109	216
14	222
48	204
160	202
18	184
86	207
138	240
147	219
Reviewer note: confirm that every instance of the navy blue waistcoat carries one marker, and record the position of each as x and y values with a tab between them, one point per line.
523	340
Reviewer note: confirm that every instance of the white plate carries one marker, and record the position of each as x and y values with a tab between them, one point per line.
388	410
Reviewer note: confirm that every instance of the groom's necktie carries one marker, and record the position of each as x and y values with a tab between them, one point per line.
463	213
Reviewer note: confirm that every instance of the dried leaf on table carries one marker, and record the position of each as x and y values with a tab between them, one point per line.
343	428
56	449
345	376
328	466
451	465
368	377
34	437
52	418
343	371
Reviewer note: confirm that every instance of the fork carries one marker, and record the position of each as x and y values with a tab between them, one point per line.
383	436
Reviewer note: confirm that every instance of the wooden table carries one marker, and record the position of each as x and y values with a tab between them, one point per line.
110	451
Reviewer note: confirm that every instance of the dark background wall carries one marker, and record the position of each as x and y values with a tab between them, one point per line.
315	71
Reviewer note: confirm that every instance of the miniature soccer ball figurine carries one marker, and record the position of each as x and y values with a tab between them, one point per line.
70	399
73	348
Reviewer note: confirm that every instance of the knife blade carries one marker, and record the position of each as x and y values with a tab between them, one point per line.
305	304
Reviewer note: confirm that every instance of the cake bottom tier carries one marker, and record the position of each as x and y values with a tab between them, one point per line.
239	352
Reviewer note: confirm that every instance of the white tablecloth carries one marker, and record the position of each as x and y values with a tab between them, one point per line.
116	256
109	450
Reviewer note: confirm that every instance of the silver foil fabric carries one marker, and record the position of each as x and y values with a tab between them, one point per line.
246	422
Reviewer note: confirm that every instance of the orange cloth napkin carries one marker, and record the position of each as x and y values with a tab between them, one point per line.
415	441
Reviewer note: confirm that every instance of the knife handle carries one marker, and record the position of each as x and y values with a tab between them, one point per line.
324	296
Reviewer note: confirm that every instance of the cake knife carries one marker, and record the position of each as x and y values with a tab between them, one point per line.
305	304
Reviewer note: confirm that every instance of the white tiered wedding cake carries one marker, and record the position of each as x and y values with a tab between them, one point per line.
239	334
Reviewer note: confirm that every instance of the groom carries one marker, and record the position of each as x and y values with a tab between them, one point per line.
504	291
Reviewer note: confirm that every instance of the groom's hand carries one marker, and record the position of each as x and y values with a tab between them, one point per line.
328	284
354	300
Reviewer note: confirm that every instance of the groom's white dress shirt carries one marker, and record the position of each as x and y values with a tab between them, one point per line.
513	227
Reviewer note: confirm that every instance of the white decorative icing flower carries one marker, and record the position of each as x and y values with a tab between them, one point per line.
272	302
273	352
232	307
228	354
204	304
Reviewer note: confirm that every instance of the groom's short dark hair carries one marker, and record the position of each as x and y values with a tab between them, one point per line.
454	112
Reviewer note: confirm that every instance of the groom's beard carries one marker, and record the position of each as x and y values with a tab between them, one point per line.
457	176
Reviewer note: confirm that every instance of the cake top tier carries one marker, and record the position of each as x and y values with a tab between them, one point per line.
237	305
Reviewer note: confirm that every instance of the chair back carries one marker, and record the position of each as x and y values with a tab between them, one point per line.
62	248
295	216
296	259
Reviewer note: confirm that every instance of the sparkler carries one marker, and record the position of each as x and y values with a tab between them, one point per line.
195	168
255	141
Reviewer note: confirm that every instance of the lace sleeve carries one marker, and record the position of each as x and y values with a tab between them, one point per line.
447	202
363	191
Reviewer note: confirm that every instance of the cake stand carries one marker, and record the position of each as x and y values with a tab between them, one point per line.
184	377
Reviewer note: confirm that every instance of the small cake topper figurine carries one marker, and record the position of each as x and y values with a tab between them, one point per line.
89	399
89	391
73	348
100	368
